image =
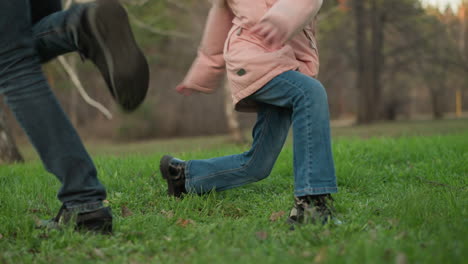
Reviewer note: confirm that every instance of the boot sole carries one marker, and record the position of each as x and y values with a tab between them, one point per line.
99	221
127	67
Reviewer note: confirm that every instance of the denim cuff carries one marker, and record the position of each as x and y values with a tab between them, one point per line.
86	207
315	191
187	176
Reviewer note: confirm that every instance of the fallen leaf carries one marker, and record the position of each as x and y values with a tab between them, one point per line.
388	253
409	165
325	233
44	235
37	221
306	254
184	222
98	253
401	235
167	214
401	258
125	211
1	236
277	215
321	255
261	235
342	250
373	234
393	222
34	251
106	202
167	238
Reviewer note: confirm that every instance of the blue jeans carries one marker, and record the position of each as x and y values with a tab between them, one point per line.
289	99
29	97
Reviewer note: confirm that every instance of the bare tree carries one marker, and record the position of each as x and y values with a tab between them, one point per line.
370	20
9	152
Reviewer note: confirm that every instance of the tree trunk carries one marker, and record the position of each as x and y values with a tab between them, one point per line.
232	119
9	153
437	112
370	60
378	20
361	51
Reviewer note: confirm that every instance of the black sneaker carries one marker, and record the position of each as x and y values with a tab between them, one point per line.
99	220
173	171
312	210
106	38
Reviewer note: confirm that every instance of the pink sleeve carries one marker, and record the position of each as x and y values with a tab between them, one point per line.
207	71
291	16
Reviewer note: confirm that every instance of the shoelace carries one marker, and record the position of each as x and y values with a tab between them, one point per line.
59	214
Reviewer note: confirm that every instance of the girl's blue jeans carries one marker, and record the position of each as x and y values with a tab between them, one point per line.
289	99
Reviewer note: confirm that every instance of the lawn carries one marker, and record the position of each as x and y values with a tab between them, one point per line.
403	199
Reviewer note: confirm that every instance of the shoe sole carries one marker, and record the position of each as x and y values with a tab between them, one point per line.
164	169
127	67
99	221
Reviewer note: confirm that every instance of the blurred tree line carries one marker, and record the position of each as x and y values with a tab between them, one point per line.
380	60
384	60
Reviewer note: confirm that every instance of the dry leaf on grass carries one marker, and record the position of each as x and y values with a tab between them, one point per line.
261	235
401	235
167	214
125	211
401	258
98	253
276	215
37	221
1	236
184	222
321	255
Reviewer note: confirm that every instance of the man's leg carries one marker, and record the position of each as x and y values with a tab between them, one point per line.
58	33
43	8
40	115
100	31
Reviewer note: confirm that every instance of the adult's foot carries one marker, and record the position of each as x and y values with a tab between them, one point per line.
97	220
106	38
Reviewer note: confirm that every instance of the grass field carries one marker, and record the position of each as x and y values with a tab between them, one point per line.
403	199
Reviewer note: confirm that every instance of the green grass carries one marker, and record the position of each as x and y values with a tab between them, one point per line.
402	200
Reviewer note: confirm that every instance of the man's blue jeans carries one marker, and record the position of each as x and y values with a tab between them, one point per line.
289	99
28	95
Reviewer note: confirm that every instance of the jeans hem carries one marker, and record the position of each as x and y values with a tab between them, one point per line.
315	191
85	207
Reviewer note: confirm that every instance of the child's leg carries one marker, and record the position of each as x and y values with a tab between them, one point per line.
314	170
227	172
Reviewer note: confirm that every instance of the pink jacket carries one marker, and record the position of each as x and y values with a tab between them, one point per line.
228	45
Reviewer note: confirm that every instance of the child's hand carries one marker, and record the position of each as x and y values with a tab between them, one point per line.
182	89
271	34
